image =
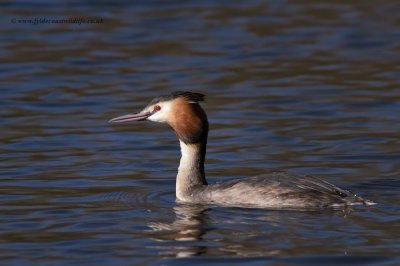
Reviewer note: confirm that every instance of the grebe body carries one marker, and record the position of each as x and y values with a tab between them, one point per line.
279	190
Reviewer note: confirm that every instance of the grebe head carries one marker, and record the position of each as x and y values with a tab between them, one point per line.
181	110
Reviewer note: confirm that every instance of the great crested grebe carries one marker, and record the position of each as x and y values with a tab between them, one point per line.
182	112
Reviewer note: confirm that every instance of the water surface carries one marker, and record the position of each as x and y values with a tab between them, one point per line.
305	86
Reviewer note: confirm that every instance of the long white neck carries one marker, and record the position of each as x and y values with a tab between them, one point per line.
191	169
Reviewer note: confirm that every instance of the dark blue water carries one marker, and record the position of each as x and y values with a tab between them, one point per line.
306	86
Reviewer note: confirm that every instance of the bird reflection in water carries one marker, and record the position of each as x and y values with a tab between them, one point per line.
183	237
191	223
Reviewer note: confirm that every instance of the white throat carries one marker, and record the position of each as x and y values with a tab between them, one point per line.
191	170
189	156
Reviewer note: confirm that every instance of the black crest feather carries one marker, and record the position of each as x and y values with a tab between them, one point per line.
190	96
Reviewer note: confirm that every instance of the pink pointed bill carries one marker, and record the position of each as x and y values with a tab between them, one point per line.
130	118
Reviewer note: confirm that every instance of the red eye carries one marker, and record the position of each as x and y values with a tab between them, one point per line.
157	108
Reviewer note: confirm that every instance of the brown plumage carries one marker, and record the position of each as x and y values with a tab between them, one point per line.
189	121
